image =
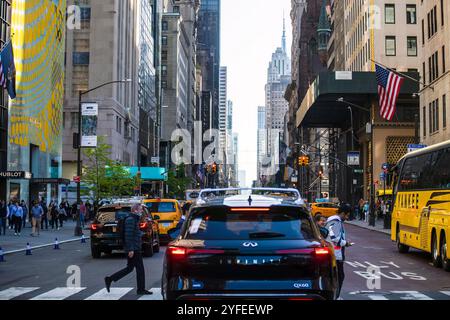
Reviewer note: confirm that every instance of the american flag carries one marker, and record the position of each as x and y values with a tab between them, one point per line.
389	85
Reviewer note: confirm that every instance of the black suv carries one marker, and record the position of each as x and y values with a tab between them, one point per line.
104	230
257	247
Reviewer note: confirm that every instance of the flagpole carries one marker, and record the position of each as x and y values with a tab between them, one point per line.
404	75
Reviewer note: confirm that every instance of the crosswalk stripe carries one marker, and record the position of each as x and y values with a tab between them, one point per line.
447	293
58	294
115	294
155	296
377	297
413	295
15	292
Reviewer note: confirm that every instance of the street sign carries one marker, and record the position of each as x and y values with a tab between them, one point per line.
414	147
15	175
343	75
360	171
353	158
155	160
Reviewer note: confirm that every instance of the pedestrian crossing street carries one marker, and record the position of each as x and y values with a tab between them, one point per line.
66	293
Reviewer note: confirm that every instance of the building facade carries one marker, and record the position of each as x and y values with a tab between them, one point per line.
95	55
175	75
147	95
434	52
5	32
278	80
382	31
208	57
223	108
262	141
35	115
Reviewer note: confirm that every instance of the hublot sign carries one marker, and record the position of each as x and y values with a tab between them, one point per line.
15	175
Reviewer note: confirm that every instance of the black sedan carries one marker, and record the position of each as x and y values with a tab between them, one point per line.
105	235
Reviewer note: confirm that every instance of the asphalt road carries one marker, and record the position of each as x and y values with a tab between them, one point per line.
44	275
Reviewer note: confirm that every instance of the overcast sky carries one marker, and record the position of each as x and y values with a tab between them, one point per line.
251	32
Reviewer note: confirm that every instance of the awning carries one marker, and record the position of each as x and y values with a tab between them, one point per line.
320	108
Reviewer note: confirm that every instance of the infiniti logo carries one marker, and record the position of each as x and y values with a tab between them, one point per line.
250	244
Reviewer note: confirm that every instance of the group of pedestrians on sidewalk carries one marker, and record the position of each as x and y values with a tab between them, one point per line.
15	215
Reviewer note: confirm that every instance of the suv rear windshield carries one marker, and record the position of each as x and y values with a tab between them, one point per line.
161	207
107	215
226	224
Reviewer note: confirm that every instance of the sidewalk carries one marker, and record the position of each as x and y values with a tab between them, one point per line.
12	244
379	226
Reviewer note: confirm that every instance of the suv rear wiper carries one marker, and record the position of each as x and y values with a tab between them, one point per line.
266	234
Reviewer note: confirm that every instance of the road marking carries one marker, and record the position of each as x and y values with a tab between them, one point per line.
58	293
155	296
447	293
115	294
377	297
412	295
15	292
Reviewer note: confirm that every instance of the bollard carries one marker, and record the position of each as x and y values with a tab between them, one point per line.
56	246
83	239
2	259
28	252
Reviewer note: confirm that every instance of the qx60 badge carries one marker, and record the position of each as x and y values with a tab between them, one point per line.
250	244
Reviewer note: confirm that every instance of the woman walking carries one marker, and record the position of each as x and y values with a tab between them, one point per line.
54	212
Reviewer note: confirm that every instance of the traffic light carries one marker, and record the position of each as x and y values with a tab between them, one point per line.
303	161
214	168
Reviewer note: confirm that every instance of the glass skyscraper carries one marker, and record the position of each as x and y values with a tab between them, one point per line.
208	53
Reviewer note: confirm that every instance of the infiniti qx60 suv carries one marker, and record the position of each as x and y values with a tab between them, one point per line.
258	244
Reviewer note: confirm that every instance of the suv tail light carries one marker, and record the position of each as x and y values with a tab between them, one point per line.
318	252
143	225
184	252
95	227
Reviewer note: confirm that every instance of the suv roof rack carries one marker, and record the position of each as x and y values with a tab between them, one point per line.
296	198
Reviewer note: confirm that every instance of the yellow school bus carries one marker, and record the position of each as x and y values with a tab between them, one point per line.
421	213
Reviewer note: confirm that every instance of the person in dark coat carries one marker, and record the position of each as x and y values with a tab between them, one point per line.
133	249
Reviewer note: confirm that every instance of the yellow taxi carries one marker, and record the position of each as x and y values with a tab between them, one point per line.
326	209
167	212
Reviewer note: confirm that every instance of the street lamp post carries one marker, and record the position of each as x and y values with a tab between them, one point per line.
80	95
371	140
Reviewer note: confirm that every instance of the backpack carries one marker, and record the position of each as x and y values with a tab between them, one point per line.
121	227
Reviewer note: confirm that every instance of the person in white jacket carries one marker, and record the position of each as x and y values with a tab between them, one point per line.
337	237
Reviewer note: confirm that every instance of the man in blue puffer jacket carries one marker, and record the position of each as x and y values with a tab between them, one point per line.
133	248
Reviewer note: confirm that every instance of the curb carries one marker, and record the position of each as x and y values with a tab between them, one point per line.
43	246
385	231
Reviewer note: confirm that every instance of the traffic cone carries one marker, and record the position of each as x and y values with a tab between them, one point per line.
56	246
28	252
2	259
83	239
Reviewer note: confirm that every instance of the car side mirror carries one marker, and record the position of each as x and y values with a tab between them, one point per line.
174	233
156	217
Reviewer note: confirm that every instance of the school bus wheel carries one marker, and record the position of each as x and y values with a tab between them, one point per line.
436	258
